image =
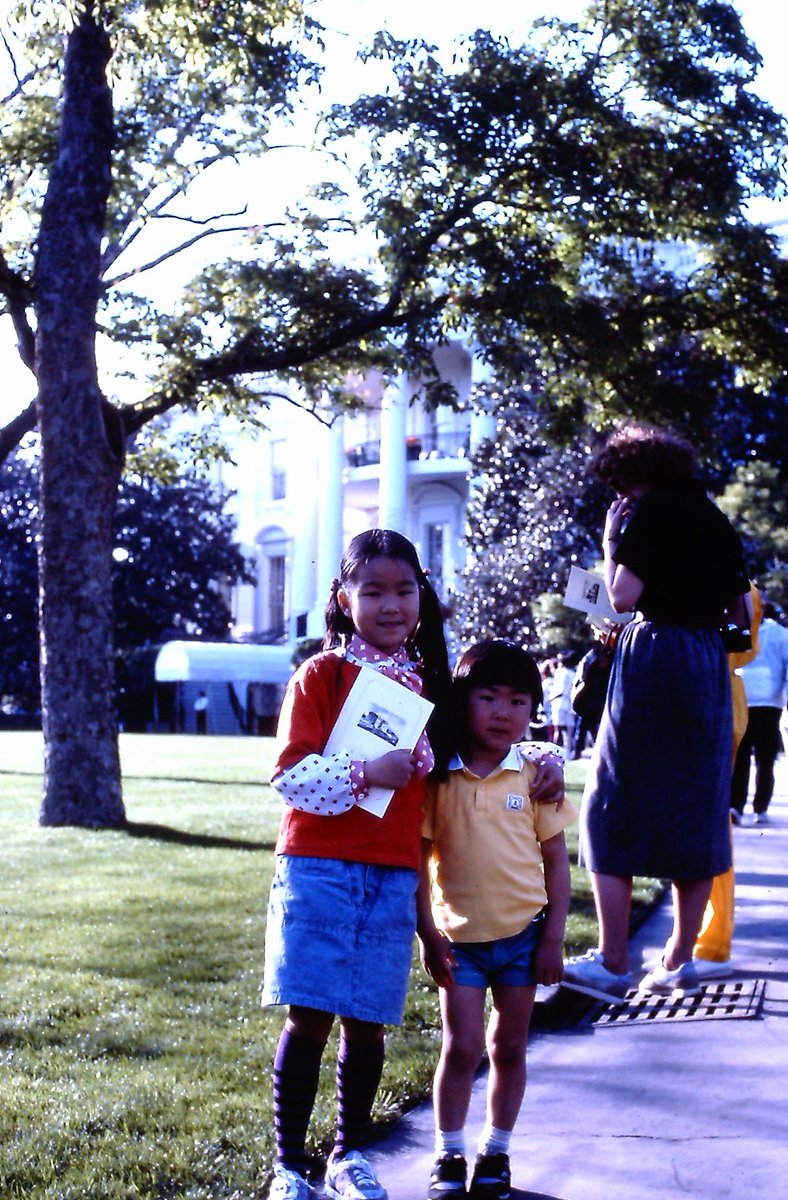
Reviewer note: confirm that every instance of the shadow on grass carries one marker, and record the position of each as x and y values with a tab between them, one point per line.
129	775
182	837
93	1046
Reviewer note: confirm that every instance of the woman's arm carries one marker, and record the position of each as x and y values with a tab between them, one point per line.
624	587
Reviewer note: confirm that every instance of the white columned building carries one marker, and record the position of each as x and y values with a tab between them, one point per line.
305	456
393	504
328	500
304	489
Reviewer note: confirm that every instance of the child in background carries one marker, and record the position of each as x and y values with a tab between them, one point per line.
342	909
496	917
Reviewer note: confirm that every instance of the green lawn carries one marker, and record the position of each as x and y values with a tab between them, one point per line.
136	1057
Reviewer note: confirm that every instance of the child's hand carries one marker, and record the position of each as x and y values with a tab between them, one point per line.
437	958
549	961
548	784
392	770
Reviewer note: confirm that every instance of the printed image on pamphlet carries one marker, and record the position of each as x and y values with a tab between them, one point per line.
586	591
379	715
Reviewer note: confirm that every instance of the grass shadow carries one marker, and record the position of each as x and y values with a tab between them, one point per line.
182	837
130	777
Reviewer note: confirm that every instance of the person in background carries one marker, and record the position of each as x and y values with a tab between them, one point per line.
562	716
589	686
495	920
712	955
201	712
658	788
765	680
541	726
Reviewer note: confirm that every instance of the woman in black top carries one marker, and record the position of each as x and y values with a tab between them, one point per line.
658	789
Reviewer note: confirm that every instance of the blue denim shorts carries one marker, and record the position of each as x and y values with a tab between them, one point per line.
339	937
507	961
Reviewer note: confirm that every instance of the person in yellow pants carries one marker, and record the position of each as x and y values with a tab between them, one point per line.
713	948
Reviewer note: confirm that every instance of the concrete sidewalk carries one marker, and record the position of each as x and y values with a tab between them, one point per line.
660	1107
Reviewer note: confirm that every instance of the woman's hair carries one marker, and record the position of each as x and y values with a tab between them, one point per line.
497	663
643	454
427	643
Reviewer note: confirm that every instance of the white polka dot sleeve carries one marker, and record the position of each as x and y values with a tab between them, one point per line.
323	786
536	751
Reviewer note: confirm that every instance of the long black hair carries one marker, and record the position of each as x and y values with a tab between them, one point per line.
426	645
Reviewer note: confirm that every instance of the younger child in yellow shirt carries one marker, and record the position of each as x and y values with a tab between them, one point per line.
493	900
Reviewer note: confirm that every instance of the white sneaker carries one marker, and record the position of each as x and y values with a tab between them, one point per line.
662	982
352	1178
588	974
289	1185
706	969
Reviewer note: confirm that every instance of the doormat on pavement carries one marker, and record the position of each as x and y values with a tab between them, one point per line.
717	1001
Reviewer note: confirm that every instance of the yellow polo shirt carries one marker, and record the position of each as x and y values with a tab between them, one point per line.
487	877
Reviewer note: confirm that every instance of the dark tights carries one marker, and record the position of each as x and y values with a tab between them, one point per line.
296	1076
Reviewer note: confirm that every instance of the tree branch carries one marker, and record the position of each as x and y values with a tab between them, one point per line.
244	359
175	250
12	433
18	294
21	80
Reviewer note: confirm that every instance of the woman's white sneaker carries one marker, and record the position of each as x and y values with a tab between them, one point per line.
588	974
683	981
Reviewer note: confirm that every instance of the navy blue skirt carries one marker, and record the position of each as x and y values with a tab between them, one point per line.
657	795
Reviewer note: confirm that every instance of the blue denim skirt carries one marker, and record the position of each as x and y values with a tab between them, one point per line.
339	937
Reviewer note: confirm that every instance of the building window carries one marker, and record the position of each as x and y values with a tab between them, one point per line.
435	550
278	471
277	577
271	615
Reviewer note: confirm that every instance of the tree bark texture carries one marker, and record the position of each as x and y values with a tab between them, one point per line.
80	460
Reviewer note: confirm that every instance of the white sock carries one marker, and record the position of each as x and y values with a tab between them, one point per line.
495	1141
450	1141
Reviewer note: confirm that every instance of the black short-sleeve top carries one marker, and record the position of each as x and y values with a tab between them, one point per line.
687	554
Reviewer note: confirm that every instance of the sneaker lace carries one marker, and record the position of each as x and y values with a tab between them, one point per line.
355	1176
291	1186
361	1173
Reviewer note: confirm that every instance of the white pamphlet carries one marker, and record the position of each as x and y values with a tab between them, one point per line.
587	592
379	715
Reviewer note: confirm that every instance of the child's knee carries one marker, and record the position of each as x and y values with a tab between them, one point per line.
367	1032
463	1053
506	1048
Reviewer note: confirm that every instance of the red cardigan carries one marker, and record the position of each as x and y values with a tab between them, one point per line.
312	702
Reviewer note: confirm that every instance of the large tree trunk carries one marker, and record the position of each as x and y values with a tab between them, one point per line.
80	460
